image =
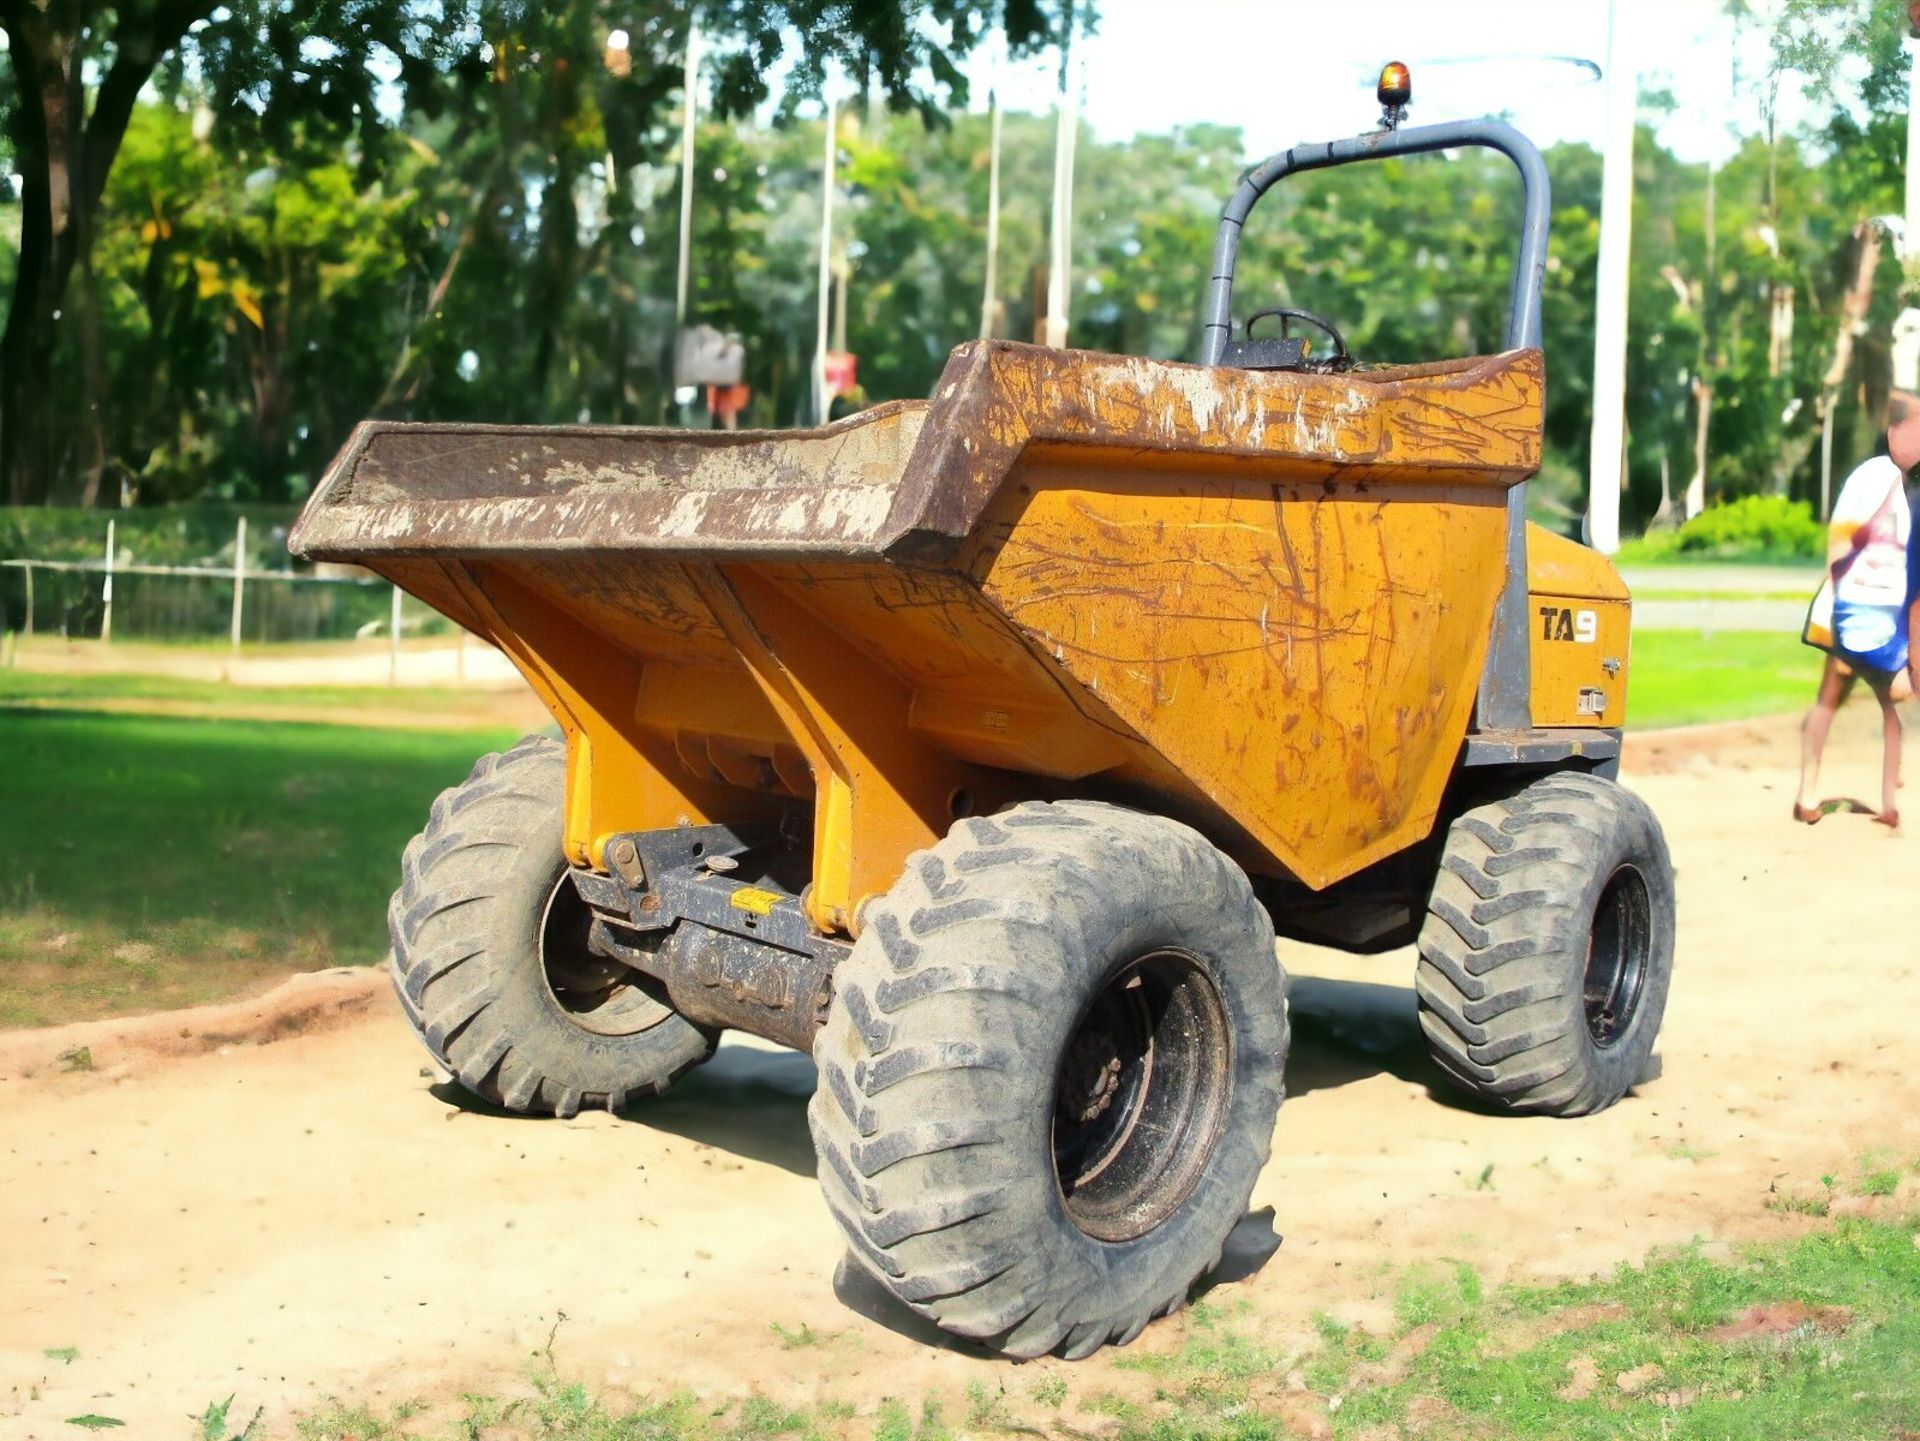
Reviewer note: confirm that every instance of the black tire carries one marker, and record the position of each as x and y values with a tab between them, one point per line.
1548	947
1075	952
490	955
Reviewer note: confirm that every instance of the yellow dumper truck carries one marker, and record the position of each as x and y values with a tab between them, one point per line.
978	746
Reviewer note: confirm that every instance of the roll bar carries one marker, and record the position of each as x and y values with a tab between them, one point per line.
1529	271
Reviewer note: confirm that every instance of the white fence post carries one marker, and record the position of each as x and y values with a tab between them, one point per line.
239	575
393	641
106	593
83	570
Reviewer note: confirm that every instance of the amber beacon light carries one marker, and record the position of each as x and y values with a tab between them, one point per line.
1395	91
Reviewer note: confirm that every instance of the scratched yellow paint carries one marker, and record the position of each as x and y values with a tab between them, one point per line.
1306	661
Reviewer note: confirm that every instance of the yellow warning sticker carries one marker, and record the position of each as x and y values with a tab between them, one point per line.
755	900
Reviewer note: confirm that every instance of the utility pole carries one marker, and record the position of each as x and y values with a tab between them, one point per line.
1060	232
690	89
993	213
841	267
1607	452
1696	500
1913	130
820	397
1906	329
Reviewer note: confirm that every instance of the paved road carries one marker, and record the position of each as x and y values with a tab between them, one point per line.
1782	616
1742	580
1721	597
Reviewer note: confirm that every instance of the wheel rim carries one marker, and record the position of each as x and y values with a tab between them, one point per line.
1618	949
590	991
1140	1097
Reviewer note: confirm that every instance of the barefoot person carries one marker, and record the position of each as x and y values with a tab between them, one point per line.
1913	616
1860	616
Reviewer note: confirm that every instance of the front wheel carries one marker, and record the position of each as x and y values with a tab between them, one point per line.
490	954
1548	947
1049	1077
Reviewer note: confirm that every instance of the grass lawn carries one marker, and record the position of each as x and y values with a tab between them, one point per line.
154	862
1686	678
1815	1337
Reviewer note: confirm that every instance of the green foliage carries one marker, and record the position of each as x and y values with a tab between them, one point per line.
214	1427
1800	1205
193	534
1879	1183
1433	1293
1507	1378
1752	528
1051	1391
894	1423
297	189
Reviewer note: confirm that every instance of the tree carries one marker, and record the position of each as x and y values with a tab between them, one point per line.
77	69
524	90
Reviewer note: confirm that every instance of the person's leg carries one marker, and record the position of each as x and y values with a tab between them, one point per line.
1913	626
1890	752
1834	685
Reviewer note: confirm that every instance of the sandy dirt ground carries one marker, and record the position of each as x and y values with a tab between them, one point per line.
280	1201
448	661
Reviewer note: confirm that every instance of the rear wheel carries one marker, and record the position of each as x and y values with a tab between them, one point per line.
491	961
1548	947
1050	1073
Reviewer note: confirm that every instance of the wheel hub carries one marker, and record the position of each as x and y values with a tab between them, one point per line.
593	992
1618	951
1140	1096
1091	1077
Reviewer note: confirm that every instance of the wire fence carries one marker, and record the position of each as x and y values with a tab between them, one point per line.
173	577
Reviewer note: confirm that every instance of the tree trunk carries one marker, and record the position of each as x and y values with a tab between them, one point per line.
1696	500
559	242
1854	302
44	152
63	154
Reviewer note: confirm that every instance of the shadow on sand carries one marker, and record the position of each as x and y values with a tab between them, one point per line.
749	1102
1250	1245
746	1101
752	1102
1348	1031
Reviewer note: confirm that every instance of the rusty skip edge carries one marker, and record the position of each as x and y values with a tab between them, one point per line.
906	481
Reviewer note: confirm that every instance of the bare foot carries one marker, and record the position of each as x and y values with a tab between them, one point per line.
1889	819
1807	815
